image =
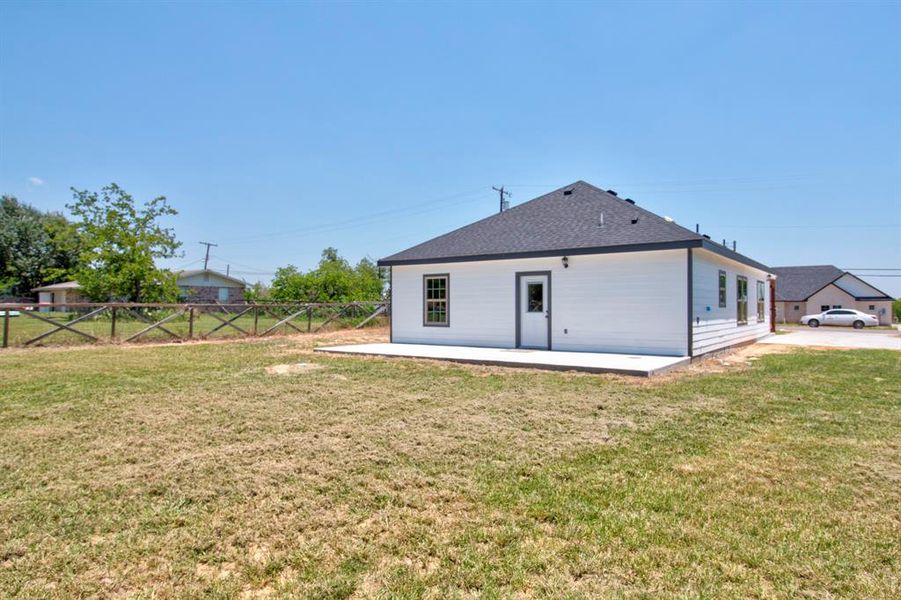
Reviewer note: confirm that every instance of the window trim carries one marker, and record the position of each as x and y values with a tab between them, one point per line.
761	301
722	286
739	302
425	300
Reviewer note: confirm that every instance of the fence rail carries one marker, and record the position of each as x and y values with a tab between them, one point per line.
32	324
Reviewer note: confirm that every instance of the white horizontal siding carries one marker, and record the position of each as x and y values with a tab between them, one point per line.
715	328
626	302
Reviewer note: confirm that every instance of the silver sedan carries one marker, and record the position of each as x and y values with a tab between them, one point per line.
842	317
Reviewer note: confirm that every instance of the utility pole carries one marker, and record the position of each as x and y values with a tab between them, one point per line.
206	259
502	192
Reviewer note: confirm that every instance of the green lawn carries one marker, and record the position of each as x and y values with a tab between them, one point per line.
189	470
23	327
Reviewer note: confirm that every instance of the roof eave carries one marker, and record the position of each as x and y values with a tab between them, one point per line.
651	246
733	255
390	262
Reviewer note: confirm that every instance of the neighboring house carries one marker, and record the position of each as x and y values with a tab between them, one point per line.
578	269
208	286
813	289
59	293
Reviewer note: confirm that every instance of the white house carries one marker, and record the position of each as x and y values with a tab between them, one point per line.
59	293
578	269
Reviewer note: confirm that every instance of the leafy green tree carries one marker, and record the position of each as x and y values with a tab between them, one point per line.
370	284
66	247
35	247
121	245
334	280
257	292
896	308
290	285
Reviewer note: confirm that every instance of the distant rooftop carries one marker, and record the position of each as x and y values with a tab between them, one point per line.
797	284
58	287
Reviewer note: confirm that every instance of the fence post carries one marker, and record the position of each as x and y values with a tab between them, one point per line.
191	323
309	318
112	331
6	328
256	319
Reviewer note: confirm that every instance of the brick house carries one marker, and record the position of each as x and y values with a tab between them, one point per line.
812	289
208	286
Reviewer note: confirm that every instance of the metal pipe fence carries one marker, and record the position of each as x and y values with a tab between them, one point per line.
33	324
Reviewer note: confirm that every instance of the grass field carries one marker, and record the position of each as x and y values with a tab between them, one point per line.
257	468
23	327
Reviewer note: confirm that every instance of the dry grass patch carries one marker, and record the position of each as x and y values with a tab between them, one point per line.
190	470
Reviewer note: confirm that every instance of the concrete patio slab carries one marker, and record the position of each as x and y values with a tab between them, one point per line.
838	338
592	362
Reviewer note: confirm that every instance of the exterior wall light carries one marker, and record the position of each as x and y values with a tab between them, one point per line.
565	262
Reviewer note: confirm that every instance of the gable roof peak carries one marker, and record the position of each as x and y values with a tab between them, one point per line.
563	220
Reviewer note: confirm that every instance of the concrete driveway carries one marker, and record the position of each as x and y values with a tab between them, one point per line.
838	338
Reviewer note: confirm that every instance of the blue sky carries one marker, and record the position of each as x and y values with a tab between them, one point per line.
277	129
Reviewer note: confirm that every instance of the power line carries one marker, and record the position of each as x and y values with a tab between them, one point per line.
360	220
234	262
188	264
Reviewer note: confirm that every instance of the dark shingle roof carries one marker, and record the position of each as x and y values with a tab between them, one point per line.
797	284
800	283
553	222
565	221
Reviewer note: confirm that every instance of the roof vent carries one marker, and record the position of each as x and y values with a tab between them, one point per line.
567	192
611	192
668	219
601	220
706	236
634	219
630	200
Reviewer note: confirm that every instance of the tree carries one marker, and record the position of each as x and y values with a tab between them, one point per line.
121	245
257	292
35	247
334	280
370	284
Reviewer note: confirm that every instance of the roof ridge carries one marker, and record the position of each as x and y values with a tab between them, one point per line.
558	221
636	206
491	216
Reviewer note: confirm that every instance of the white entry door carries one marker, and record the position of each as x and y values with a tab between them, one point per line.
534	311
